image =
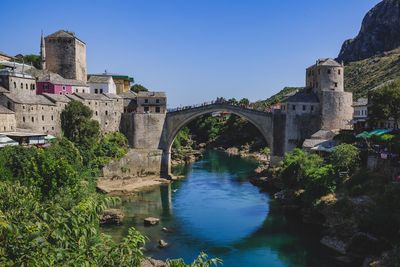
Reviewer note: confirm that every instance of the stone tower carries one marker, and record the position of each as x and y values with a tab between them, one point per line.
66	55
42	53
326	79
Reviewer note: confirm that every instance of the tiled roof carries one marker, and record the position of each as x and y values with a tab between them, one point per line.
55	78
112	96
3	90
4	110
30	99
92	96
57	98
128	95
151	94
328	62
99	79
302	96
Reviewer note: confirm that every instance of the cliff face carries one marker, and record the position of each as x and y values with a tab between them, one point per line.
380	32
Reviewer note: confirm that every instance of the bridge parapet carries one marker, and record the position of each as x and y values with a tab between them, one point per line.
218	105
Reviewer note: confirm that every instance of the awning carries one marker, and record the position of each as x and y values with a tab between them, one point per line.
6	141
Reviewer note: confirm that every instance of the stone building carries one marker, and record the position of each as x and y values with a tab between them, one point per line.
322	105
65	55
53	83
7	120
5	57
99	84
151	102
107	109
130	103
122	82
17	82
33	112
360	114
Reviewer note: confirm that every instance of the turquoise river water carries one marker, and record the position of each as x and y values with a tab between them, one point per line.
216	210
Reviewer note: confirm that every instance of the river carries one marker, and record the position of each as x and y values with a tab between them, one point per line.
216	210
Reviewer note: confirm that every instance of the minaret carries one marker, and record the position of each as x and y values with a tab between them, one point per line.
42	53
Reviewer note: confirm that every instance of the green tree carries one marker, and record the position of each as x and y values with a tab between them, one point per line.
35	60
385	103
244	102
79	127
233	101
138	88
345	158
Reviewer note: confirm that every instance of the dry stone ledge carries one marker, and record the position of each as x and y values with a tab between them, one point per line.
151	221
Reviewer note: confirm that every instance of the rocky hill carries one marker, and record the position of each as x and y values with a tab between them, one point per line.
363	75
380	32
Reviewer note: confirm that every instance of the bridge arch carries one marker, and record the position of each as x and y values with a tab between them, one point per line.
176	120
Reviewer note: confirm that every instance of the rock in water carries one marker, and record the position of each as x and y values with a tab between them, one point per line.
112	216
380	32
162	243
151	221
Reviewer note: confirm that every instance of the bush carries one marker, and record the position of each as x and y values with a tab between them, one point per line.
345	158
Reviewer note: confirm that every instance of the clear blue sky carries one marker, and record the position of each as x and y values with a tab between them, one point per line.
193	50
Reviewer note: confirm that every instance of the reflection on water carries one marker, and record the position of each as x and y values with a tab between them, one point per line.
216	210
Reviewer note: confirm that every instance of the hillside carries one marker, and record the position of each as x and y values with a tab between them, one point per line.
276	98
380	32
361	76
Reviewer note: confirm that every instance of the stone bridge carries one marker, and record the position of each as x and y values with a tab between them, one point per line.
270	124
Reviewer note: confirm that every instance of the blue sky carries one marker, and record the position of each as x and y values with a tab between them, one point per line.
193	50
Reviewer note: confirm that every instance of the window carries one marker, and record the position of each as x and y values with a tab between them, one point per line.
76	90
15	85
23	119
146	101
106	112
42	117
33	120
293	107
22	86
43	128
26	86
52	118
304	107
9	105
106	103
101	91
63	88
157	109
23	107
312	108
338	72
329	71
146	109
52	128
96	113
319	71
45	87
335	84
96	91
83	90
158	101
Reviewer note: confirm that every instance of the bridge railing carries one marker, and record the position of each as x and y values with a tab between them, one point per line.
219	102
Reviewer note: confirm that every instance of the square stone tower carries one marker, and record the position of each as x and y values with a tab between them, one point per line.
66	55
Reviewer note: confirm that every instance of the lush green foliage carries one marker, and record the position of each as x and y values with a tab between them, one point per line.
201	261
345	158
138	88
302	170
182	138
385	102
79	127
35	60
111	146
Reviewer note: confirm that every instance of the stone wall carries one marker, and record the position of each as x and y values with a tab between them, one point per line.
337	110
7	122
80	61
136	163
143	130
19	85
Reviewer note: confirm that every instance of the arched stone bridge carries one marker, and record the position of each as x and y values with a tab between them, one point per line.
270	124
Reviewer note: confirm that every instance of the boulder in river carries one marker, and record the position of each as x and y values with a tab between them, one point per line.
151	221
112	216
162	243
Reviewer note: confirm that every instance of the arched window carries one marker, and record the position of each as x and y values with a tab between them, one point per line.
106	112
42	117
52	118
22	86
26	86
